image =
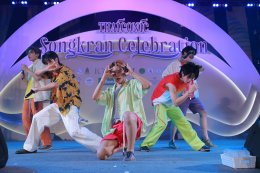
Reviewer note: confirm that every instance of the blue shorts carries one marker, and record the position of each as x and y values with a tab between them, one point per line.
194	105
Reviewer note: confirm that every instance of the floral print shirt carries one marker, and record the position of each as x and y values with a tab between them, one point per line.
68	91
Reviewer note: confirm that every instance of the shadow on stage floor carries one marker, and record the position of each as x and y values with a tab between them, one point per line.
70	157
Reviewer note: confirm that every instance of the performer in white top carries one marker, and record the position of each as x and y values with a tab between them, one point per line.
35	102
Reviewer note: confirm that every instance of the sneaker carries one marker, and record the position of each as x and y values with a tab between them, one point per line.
145	148
45	147
208	143
129	156
172	145
23	151
204	149
124	151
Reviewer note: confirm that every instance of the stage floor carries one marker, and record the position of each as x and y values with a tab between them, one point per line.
70	157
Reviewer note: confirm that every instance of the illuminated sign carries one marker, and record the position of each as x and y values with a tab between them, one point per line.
104	49
136	46
124	27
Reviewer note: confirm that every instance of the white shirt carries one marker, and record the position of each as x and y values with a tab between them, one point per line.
41	95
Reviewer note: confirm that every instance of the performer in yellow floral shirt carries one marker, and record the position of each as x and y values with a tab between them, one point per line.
65	106
67	93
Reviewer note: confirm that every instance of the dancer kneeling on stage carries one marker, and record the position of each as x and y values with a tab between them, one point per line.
65	106
166	101
124	117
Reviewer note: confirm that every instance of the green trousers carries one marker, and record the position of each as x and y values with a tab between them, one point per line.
162	113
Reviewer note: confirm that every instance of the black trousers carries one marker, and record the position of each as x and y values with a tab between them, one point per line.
253	141
3	150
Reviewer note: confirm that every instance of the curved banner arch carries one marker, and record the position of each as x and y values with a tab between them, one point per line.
241	73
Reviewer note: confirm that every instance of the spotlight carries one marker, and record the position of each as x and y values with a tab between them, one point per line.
258	5
225	5
45	3
250	5
13	2
55	2
215	5
190	4
24	2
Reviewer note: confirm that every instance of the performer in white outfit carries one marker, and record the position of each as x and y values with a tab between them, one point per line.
37	101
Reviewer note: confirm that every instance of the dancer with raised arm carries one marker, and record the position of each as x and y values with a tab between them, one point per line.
66	103
124	118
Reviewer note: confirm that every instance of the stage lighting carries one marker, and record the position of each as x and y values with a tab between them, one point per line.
45	3
24	2
225	5
250	5
55	3
215	5
190	4
13	2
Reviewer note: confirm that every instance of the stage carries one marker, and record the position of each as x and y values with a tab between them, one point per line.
69	157
150	38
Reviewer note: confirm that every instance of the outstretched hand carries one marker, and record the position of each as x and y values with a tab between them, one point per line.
53	66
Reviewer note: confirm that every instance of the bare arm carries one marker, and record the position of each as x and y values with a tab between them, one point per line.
34	75
173	93
145	83
41	71
49	68
100	85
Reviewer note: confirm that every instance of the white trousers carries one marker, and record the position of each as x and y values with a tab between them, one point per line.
49	116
